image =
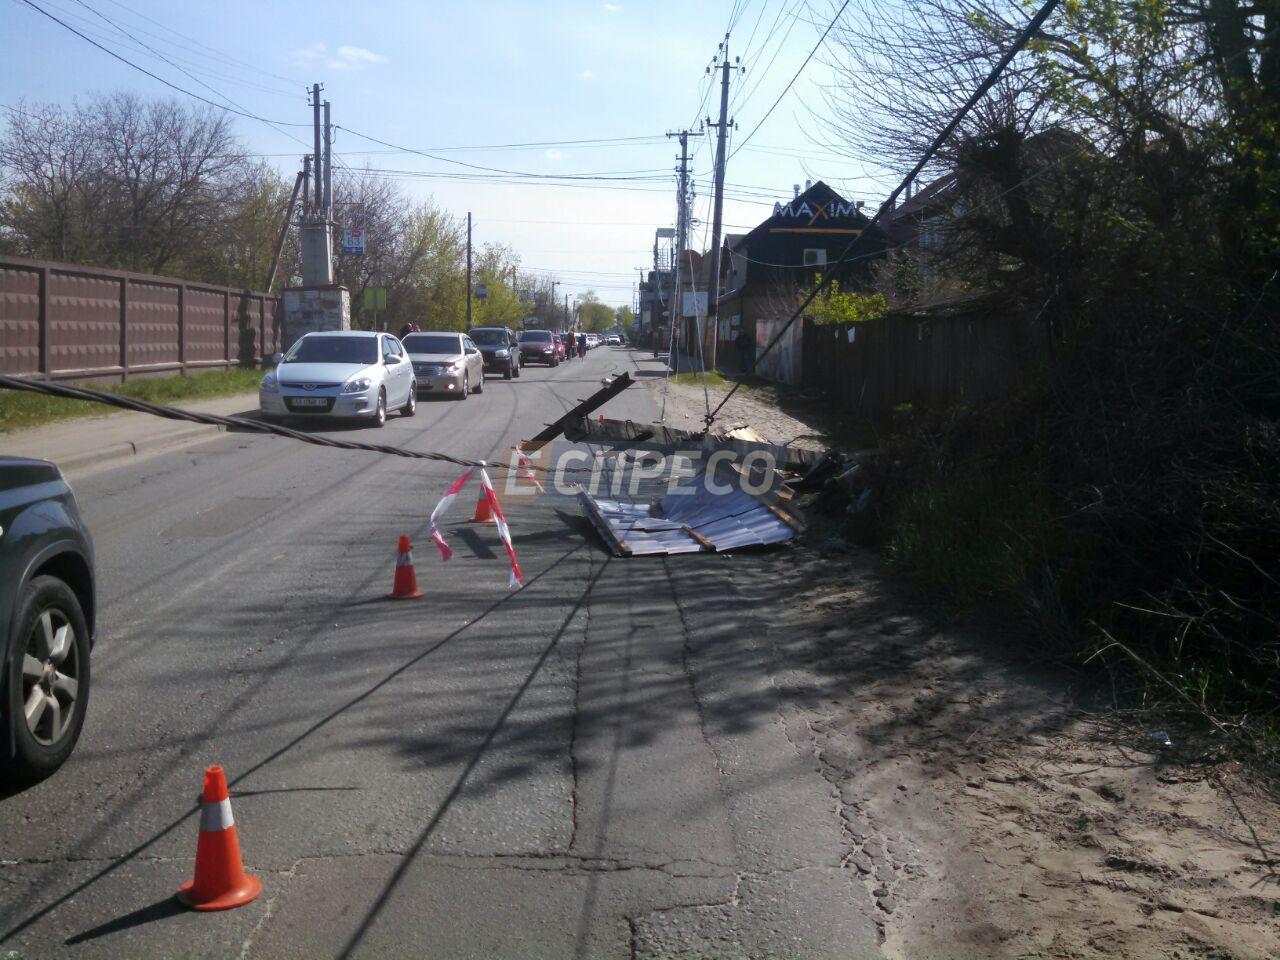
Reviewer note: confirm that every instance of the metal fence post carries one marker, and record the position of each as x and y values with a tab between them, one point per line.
124	328
226	327
42	322
182	328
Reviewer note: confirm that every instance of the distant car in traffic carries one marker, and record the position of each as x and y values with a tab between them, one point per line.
538	346
562	348
593	340
341	373
613	340
46	619
499	348
446	363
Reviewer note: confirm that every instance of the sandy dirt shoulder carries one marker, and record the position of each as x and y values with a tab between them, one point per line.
988	813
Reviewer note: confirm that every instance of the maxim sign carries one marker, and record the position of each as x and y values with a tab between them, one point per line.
832	210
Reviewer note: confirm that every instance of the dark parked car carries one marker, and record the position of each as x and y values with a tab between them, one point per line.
500	348
538	346
46	618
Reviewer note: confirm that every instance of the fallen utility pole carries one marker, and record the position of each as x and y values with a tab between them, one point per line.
284	231
600	397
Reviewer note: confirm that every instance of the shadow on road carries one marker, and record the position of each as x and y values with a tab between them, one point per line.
160	910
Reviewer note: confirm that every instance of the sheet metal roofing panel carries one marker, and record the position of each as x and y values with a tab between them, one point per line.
725	522
704	505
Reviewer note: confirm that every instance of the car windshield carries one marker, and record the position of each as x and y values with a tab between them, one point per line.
358	350
432	343
538	336
489	337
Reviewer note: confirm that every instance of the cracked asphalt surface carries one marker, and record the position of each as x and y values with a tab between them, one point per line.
596	766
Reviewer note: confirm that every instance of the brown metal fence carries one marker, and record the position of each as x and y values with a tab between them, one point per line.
63	321
966	356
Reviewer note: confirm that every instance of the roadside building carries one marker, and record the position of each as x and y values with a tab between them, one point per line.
766	273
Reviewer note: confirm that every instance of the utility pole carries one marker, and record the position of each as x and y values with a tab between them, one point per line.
315	124
316	235
682	229
566	312
306	183
468	269
551	303
328	166
722	131
284	231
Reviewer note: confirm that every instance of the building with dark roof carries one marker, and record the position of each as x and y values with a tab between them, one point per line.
765	273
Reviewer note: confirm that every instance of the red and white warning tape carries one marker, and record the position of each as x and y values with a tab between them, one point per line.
449	496
517	579
504	531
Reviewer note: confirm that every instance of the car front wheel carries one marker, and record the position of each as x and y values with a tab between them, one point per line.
466	388
380	414
411	405
47	684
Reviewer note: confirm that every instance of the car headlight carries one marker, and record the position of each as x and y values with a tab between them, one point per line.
268	384
502	354
358	386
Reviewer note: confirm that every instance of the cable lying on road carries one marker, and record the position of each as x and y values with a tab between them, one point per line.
252	426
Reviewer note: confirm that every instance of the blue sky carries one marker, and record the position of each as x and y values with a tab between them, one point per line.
471	75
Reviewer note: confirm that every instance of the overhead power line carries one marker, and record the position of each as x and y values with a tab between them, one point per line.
141	69
1023	38
791	82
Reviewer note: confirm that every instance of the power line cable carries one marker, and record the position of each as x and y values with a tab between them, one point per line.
794	77
1024	37
157	77
49	388
225	57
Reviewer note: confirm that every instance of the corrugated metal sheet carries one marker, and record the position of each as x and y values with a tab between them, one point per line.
688	523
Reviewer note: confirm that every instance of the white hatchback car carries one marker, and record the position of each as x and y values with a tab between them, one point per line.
341	373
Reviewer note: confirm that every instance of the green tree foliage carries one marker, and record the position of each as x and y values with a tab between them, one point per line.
625	318
594	316
1120	188
839	306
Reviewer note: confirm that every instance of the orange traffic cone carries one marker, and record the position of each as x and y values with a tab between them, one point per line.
405	585
483	513
220	882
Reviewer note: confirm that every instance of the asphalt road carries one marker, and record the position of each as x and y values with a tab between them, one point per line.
594	766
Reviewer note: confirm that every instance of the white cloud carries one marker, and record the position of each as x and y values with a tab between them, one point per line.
359	55
611	7
308	54
586	75
345	57
553	155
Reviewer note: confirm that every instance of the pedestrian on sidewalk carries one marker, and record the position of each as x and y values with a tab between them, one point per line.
745	350
570	346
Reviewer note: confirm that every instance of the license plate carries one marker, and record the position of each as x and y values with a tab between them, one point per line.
309	401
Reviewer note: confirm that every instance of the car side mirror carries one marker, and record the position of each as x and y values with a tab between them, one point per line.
472	350
274	359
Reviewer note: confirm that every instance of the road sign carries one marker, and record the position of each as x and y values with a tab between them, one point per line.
482	291
353	241
375	298
693	304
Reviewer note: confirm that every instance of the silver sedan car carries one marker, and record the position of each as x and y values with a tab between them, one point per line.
341	373
446	363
